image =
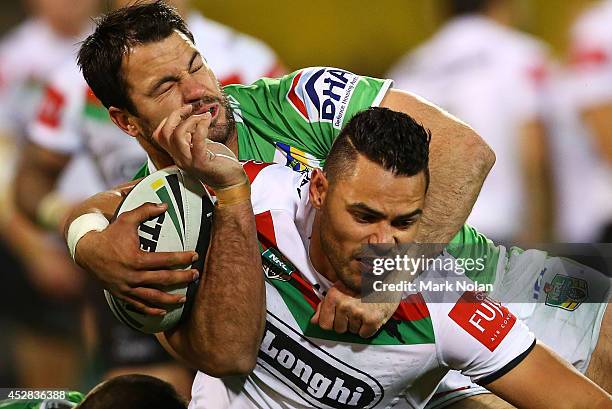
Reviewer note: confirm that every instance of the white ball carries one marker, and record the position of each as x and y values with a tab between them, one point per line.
185	226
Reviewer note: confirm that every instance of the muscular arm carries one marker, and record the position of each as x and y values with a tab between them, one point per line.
459	162
224	316
565	387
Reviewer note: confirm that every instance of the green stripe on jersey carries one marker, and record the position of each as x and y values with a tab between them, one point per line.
394	333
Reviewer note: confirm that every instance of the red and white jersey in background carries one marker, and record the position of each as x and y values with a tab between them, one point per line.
28	55
71	120
591	55
491	77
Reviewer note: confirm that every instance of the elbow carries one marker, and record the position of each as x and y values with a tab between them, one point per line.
480	153
227	364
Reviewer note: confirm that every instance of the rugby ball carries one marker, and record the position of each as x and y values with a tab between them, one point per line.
185	226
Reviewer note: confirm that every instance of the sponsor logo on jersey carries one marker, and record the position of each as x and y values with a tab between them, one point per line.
295	158
276	266
486	320
322	94
566	292
318	377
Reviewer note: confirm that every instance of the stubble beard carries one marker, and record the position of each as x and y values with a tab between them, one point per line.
339	263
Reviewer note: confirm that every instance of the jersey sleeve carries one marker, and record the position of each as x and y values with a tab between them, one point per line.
479	337
56	124
307	108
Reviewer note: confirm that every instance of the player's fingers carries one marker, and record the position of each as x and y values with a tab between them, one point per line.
327	313
354	324
341	321
368	330
166	277
200	136
166	260
140	306
143	212
315	317
173	120
152	296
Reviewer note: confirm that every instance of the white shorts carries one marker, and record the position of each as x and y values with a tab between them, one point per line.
565	312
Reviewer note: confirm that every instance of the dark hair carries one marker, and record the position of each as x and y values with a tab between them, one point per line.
133	392
101	54
459	7
389	138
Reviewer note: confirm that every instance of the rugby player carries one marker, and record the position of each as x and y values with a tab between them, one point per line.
156	79
316	224
72	121
314	136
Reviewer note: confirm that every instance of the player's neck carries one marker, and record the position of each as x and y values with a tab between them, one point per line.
318	259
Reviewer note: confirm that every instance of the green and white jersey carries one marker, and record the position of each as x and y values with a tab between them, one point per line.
293	120
70	400
301	365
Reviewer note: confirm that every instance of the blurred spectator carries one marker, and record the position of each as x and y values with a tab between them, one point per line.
591	78
71	121
492	77
583	181
42	280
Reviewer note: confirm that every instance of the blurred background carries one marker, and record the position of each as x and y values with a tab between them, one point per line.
336	33
533	77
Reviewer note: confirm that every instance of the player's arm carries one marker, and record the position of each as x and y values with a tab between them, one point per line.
542	380
113	255
37	174
222	333
459	161
535	162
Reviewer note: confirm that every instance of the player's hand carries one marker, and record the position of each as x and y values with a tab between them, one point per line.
185	138
115	258
342	310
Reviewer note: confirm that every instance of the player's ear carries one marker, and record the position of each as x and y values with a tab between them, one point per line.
318	188
123	120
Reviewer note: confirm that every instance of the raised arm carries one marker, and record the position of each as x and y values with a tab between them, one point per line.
459	161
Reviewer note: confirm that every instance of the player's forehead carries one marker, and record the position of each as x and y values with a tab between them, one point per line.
379	189
145	63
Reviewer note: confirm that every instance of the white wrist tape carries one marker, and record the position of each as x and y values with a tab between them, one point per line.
83	225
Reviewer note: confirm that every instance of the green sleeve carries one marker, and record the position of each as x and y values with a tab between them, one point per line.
469	244
304	110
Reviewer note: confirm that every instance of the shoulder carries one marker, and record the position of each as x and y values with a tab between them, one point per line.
274	186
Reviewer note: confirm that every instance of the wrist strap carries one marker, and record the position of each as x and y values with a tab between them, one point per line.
83	225
232	195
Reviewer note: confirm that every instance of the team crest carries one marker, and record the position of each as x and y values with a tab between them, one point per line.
295	158
566	292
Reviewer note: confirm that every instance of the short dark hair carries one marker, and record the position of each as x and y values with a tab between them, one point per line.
389	138
133	392
101	54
